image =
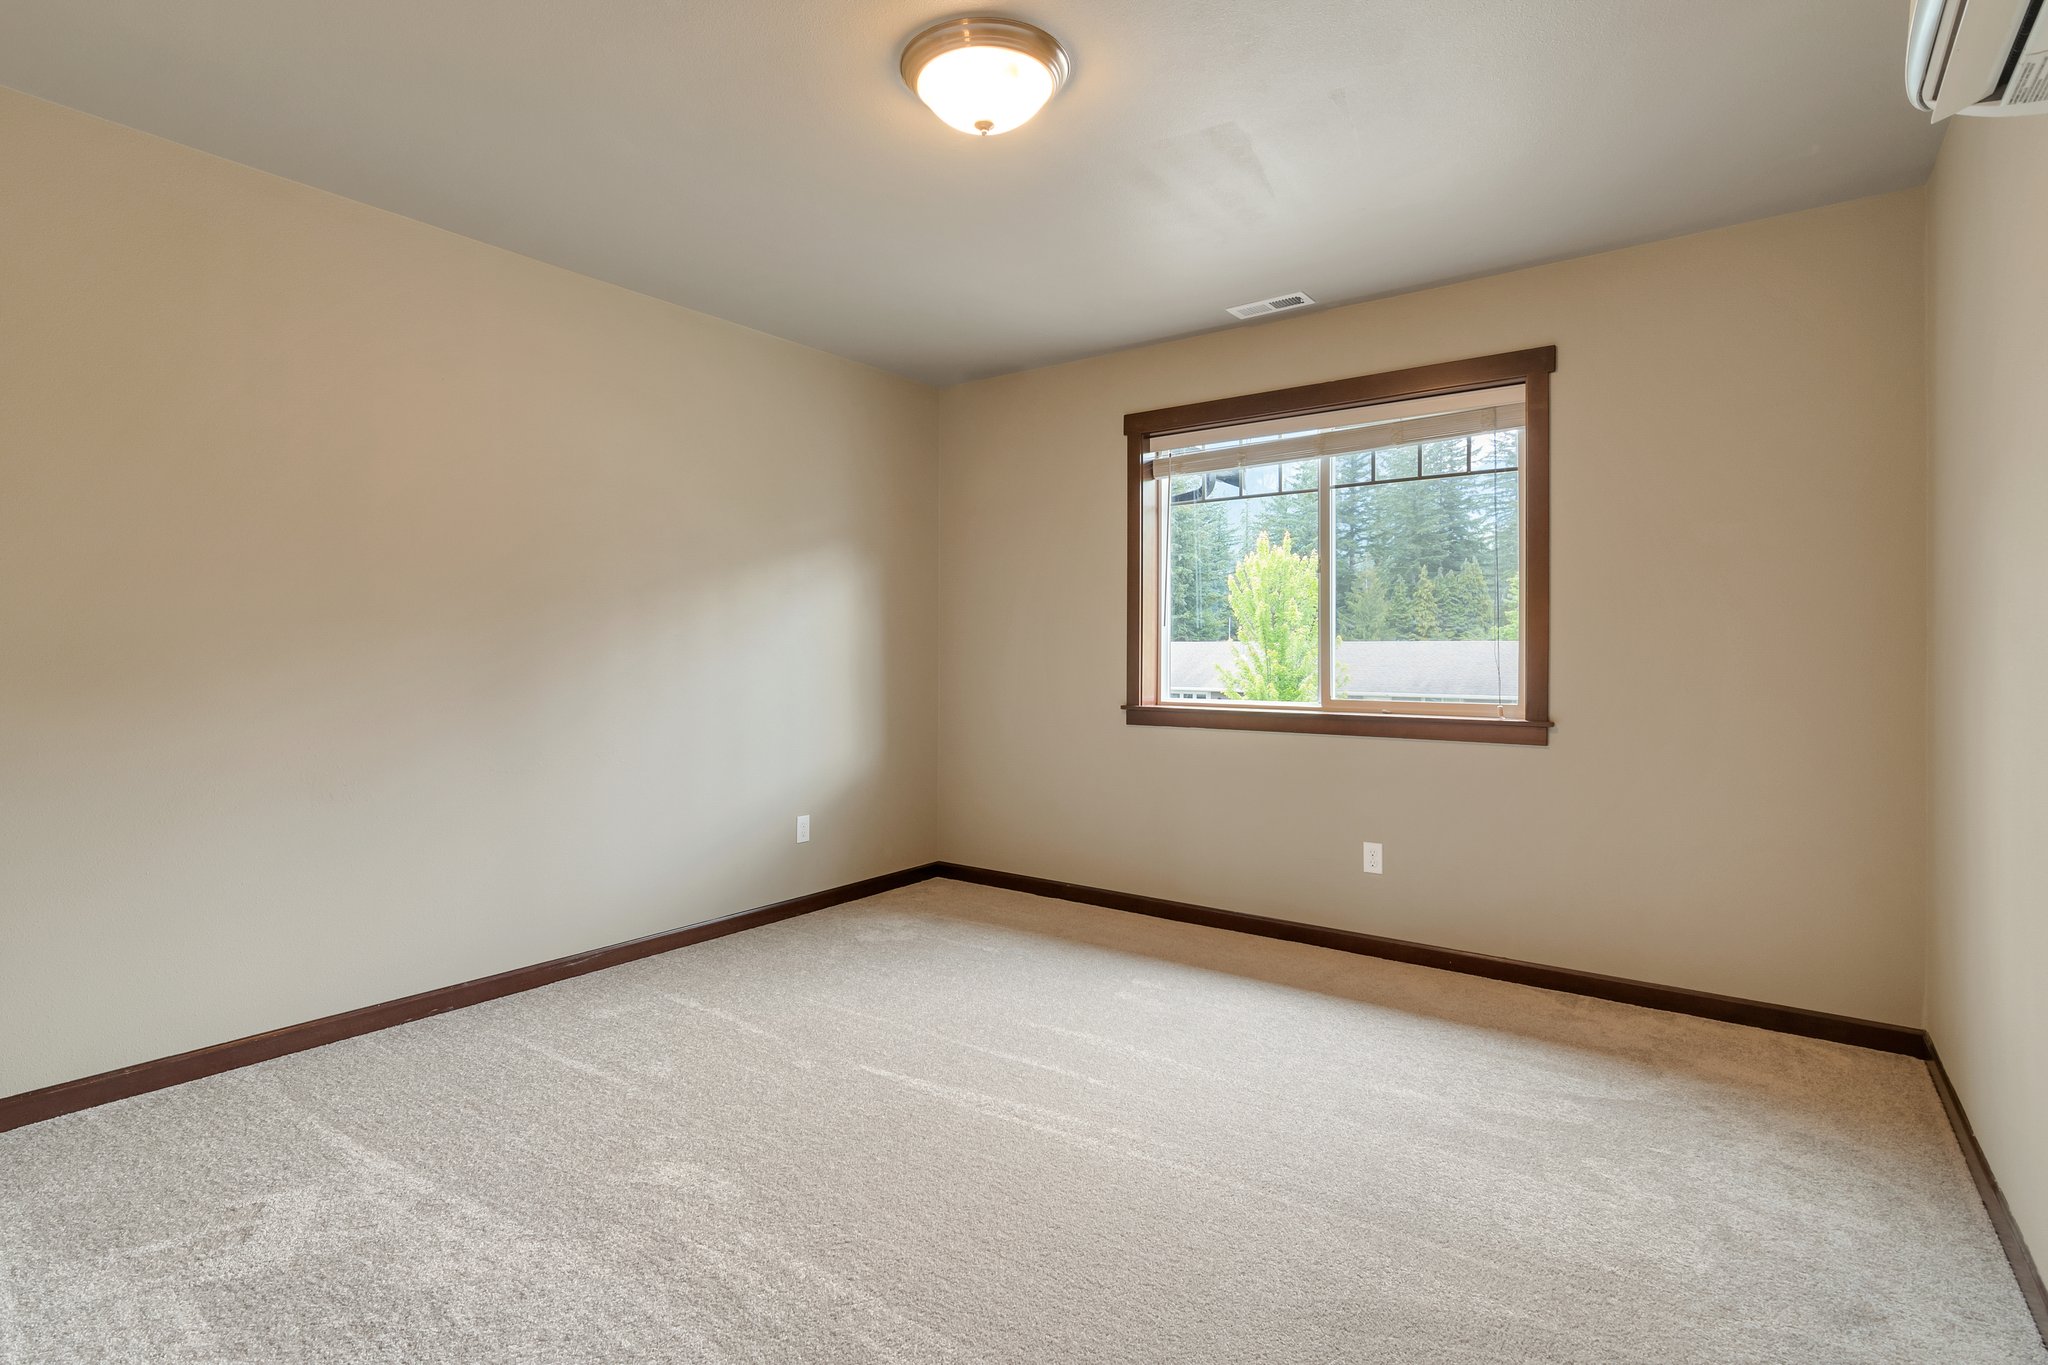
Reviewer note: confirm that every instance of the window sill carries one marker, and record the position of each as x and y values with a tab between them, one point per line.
1468	729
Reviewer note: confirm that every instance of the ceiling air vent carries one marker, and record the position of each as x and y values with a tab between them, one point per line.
1279	303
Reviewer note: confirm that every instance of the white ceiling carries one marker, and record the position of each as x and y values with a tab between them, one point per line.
762	161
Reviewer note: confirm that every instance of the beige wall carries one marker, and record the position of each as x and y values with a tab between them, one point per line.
381	609
1733	799
1987	1004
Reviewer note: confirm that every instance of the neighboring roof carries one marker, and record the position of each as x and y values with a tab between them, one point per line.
1433	670
764	162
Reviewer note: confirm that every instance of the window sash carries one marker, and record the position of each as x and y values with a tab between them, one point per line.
1200	428
1346	441
1484	710
1355	431
1372	479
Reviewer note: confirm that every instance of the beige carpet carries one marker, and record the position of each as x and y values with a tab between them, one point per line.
956	1124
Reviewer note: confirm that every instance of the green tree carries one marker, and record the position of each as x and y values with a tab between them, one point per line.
1496	509
1293	514
1511	609
1366	612
1273	595
1424	619
1205	548
1465	602
1400	612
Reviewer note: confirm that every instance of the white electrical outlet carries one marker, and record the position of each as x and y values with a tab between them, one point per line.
803	829
1372	859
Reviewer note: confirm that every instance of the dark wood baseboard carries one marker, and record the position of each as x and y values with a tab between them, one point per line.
34	1106
1837	1028
2002	1222
1896	1038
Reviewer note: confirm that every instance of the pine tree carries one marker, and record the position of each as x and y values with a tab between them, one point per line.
1461	532
1204	550
1423	617
1353	561
1466	604
1496	504
1291	516
1366	613
1511	609
1400	613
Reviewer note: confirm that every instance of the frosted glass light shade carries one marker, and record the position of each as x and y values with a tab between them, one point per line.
984	75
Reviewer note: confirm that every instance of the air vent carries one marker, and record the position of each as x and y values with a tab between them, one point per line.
1279	303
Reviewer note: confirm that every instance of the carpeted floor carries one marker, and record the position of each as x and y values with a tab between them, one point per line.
958	1124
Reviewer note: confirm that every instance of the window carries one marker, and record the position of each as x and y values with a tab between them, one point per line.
1369	556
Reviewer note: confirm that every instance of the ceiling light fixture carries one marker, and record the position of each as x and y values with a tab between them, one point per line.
984	74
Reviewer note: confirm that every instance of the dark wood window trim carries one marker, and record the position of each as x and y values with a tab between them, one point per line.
1531	368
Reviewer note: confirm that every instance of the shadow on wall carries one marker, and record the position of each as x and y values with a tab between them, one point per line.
382	609
320	746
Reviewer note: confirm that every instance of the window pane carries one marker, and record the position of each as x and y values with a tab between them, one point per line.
1396	462
1264	478
1206	487
1428	588
1444	457
1501	450
1351	468
1243	599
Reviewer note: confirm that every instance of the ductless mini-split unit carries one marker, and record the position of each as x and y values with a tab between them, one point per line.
1978	57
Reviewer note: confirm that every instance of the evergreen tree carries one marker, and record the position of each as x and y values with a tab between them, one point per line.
1354	468
1460	533
1423	616
1352	564
1366	613
1496	500
1291	516
1273	595
1447	456
1400	612
1511	609
1466	605
1205	549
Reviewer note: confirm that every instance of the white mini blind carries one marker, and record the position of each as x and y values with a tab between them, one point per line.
1348	431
